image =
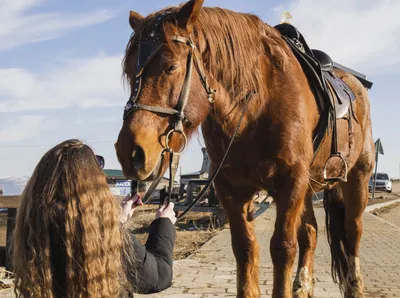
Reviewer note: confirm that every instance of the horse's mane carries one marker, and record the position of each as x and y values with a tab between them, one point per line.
231	44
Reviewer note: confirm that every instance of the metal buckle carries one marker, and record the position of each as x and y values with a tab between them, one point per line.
168	138
299	44
336	179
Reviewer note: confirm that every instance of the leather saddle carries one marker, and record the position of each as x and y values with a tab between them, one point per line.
334	97
319	69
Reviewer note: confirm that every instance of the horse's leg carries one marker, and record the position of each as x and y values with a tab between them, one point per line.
239	209
283	246
303	285
344	206
355	197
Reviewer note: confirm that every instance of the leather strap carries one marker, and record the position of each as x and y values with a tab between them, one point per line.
151	190
156	109
173	168
184	96
155	183
209	183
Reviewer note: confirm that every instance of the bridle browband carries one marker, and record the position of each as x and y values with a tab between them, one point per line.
147	50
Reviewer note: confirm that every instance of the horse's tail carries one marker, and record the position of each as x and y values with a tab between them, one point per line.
335	212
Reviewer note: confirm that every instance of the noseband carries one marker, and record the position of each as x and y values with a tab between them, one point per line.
147	50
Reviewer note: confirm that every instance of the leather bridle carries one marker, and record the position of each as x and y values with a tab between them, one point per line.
148	48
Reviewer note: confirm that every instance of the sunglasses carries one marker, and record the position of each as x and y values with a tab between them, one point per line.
100	161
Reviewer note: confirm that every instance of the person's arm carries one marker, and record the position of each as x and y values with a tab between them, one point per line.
152	268
153	262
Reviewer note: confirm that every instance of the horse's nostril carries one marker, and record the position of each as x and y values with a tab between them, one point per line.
138	158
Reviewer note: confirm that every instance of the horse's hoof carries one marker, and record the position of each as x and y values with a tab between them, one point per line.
354	286
303	285
302	293
352	295
355	292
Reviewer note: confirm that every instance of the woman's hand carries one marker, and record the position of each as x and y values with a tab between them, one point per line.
128	206
167	212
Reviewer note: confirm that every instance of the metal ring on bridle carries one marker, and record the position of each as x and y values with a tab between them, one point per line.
168	137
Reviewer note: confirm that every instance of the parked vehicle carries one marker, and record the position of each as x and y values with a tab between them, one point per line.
382	182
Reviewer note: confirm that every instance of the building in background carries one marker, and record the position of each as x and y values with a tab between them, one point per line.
194	182
202	174
121	186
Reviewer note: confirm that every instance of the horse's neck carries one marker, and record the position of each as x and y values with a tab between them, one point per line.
228	108
263	65
278	87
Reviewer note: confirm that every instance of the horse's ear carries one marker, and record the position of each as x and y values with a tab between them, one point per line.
189	14
134	19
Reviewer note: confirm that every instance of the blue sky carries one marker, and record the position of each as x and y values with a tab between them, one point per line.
60	71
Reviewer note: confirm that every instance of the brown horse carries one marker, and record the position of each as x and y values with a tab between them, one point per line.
241	58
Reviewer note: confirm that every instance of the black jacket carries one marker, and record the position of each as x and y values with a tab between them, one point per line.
152	268
153	261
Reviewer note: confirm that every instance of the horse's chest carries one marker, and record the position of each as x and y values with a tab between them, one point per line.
249	167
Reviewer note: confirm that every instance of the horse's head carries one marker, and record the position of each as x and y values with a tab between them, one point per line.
168	100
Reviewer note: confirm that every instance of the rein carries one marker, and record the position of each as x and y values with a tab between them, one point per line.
148	48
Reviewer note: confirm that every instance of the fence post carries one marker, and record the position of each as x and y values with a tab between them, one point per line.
11	217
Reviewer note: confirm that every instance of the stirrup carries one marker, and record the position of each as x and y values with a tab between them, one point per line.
336	179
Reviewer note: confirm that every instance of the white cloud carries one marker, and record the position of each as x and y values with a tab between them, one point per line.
85	83
361	34
18	26
21	128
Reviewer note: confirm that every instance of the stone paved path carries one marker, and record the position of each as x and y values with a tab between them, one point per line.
211	271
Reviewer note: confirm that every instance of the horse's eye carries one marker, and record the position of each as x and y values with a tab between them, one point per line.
172	68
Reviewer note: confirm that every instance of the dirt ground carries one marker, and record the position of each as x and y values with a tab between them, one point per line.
192	232
390	213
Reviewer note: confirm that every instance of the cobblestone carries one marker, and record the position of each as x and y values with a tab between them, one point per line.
211	272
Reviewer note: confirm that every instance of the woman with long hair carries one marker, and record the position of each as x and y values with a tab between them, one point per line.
69	240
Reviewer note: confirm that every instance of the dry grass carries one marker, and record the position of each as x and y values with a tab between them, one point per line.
386	209
192	232
6	279
380	197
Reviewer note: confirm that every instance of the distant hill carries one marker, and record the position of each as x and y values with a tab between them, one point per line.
13	186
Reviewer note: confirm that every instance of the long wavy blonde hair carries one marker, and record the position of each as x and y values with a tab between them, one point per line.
67	241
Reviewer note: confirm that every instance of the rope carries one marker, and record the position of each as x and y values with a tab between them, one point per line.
317	182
